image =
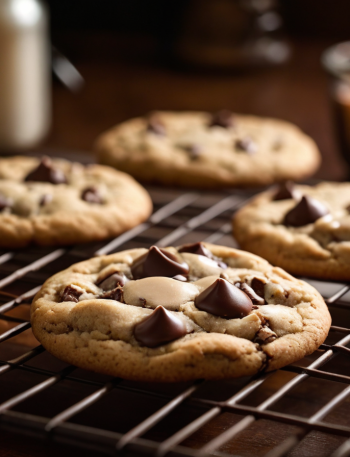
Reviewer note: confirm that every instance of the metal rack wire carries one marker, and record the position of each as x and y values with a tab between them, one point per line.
303	405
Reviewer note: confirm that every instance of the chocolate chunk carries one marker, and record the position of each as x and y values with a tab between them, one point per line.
159	328
223	118
112	281
196	248
143	302
255	298
114	294
45	199
246	145
200	249
286	191
277	145
258	285
71	294
265	335
155	125
193	150
91	195
158	262
224	300
307	211
5	202
46	172
180	278
221	264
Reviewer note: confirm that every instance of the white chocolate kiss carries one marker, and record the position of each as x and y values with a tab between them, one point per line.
167	292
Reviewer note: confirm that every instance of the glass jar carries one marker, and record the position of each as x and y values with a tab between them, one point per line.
336	61
25	76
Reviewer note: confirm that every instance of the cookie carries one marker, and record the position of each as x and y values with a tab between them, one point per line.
56	202
197	149
303	229
175	314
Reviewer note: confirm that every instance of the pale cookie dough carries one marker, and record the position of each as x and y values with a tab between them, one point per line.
320	249
93	202
182	148
80	320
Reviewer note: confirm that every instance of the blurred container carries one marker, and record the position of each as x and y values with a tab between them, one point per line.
25	74
336	61
232	34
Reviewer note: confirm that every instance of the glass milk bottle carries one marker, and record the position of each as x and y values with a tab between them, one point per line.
25	76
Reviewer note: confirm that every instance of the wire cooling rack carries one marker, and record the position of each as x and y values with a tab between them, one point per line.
301	410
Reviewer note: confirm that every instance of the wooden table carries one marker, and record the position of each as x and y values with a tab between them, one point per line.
117	89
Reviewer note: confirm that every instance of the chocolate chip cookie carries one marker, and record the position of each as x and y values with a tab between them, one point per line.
174	314
198	149
303	229
56	202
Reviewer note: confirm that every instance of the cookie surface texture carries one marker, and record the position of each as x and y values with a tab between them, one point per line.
57	202
306	235
201	150
97	316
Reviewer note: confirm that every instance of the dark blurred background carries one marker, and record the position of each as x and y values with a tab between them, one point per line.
251	56
310	18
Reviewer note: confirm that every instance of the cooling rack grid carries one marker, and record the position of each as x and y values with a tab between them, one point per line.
301	410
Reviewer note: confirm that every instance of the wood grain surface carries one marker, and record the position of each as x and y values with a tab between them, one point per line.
118	88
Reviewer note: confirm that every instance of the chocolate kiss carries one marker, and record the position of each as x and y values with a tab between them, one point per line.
112	281
223	118
308	210
196	248
158	262
46	172
285	191
159	328
224	300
